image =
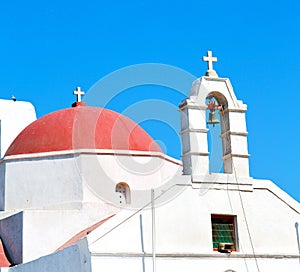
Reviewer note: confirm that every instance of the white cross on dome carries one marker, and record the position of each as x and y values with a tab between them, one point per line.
79	93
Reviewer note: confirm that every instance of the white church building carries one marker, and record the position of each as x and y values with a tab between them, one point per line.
87	189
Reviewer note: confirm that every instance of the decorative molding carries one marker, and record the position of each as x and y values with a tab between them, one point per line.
233	110
220	182
205	186
228	156
234	255
195	153
77	152
233	133
221	79
189	106
200	130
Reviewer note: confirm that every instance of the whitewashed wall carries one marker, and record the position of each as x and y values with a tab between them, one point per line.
266	231
63	180
14	117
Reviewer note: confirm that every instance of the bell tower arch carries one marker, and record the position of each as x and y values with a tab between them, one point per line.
195	154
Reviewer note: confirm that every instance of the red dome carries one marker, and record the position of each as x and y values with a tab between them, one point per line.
82	127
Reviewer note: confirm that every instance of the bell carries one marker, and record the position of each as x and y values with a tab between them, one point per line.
213	118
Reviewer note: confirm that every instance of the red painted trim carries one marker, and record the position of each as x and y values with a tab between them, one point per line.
4	262
216	249
83	233
223	216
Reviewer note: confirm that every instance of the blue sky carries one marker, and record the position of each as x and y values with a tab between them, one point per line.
49	48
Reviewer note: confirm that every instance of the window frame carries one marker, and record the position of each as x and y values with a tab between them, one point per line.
233	219
126	194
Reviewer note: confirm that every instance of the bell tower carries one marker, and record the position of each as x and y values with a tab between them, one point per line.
194	129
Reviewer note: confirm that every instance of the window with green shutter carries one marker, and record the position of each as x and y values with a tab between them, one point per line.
223	230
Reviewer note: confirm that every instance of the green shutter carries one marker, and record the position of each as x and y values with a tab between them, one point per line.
222	231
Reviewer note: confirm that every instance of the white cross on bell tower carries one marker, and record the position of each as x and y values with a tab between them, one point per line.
194	127
210	59
79	93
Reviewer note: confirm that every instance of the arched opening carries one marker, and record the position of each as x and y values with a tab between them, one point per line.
123	193
218	125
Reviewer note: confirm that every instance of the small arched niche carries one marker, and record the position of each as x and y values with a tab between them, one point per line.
123	193
218	139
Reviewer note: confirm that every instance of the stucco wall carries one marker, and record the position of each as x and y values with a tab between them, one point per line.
14	117
266	219
67	178
41	183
